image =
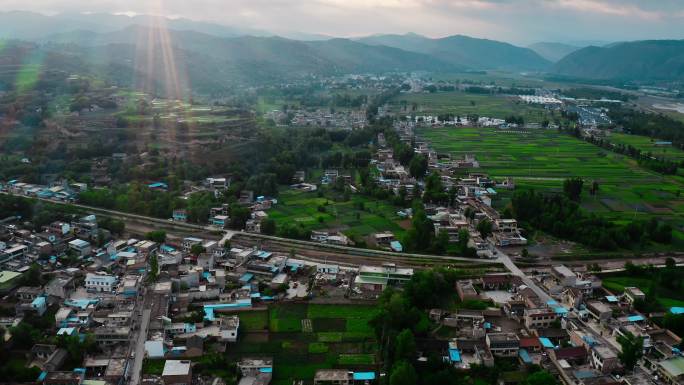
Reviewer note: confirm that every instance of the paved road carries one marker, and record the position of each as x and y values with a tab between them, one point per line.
140	347
504	259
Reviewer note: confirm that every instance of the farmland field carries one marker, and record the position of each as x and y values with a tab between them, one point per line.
347	217
542	159
341	338
647	144
461	103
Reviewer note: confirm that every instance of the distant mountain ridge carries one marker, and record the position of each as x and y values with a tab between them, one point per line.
553	52
639	60
466	51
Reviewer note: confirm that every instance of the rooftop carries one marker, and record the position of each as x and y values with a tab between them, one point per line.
176	368
673	366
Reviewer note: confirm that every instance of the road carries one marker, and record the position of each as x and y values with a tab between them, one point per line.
140	347
505	260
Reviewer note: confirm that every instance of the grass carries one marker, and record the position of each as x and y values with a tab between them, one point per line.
542	159
302	208
253	320
154	367
356	359
287	318
318	347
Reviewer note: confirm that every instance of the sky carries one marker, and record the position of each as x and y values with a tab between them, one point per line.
517	21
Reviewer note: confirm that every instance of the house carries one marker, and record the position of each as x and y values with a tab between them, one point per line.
256	369
100	282
229	328
575	354
333	377
496	281
565	276
572	297
672	370
60	287
604	359
503	344
194	347
27	293
539	318
531	344
64	378
177	372
80	247
55	360
633	294
466	291
599	311
180	215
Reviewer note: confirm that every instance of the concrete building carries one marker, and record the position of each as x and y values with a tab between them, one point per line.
503	344
177	372
102	283
604	359
672	370
539	318
80	247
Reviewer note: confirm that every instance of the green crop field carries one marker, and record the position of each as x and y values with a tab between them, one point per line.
347	217
647	144
346	340
666	297
462	104
542	159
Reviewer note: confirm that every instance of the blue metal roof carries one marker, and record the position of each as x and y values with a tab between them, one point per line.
396	246
246	277
454	355
363	376
546	342
525	356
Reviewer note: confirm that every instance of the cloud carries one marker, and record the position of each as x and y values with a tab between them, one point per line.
520	21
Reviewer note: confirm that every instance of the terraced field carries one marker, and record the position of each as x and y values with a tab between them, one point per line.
647	144
542	159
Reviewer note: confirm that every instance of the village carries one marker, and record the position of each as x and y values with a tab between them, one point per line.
166	302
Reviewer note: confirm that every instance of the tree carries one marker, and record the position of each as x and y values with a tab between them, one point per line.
594	188
632	349
418	166
405	346
573	188
403	373
268	226
197	249
541	377
484	227
154	268
158	236
670	263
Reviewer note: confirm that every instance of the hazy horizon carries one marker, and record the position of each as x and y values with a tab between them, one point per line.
520	22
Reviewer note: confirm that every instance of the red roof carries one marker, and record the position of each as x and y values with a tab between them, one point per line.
577	352
529	343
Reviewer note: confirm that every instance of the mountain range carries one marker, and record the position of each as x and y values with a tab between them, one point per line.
649	60
212	57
